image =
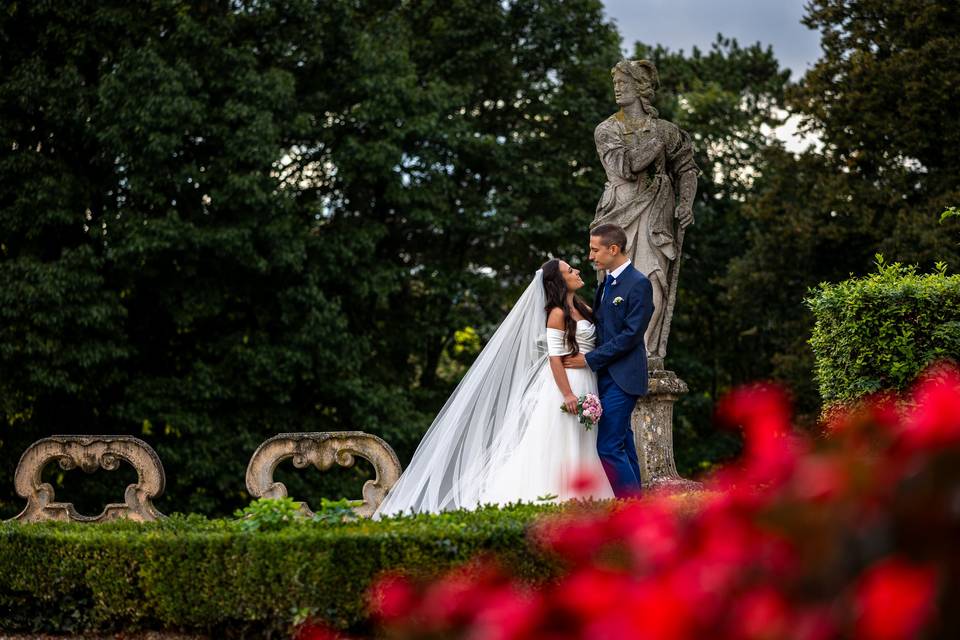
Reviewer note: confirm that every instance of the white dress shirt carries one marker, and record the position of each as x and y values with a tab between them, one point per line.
616	274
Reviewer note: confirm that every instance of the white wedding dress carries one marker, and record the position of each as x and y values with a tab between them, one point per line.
555	448
502	437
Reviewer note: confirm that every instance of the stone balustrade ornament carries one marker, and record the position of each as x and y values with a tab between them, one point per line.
89	453
322	450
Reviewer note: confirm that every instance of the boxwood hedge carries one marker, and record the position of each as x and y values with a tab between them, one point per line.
878	332
219	577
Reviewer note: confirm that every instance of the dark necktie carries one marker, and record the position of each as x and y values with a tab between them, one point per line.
606	286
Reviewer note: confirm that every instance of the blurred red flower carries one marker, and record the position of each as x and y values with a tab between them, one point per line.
759	614
508	613
391	597
774	550
934	420
894	600
763	412
584	482
575	538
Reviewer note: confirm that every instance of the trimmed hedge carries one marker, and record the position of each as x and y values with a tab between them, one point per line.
879	332
191	573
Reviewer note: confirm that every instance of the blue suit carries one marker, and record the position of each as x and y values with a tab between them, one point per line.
620	361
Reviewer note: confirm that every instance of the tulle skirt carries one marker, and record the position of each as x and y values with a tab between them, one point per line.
556	457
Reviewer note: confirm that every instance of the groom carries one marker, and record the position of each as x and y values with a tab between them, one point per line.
622	309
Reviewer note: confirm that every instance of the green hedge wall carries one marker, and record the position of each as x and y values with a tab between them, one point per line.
878	332
218	577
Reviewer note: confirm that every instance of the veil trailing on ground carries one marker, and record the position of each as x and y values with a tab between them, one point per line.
482	420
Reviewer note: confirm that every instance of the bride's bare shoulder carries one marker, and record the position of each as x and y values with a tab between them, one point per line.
555	319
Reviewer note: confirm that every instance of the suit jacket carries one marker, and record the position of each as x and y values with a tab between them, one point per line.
621	350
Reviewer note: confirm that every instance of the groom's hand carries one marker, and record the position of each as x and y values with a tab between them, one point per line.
575	362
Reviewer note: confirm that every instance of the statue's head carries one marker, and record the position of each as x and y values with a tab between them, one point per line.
636	80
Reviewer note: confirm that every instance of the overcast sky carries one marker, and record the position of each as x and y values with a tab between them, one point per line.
681	24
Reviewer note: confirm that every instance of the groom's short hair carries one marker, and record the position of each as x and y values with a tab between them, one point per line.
611	234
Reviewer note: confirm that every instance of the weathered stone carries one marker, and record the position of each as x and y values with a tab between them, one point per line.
322	450
652	422
650	190
89	453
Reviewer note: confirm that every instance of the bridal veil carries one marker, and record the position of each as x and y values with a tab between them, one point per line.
483	419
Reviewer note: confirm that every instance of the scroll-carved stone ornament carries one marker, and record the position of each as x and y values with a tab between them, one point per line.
322	450
89	453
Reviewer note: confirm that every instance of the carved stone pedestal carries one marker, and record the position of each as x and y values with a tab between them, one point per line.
652	423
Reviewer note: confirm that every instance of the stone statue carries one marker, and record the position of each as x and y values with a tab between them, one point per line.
651	185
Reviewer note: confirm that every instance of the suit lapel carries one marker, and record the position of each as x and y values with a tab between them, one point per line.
622	285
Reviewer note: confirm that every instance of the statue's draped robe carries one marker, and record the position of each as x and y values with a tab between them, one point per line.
644	203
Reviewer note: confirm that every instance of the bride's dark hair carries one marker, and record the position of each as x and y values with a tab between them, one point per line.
555	289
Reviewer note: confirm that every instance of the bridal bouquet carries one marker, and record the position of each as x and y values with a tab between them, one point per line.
589	410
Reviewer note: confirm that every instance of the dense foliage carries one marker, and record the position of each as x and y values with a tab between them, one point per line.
224	220
881	167
879	332
849	536
226	578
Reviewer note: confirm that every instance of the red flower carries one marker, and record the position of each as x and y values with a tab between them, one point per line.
575	538
593	592
651	530
392	597
935	420
894	600
760	613
452	600
584	482
763	406
508	614
763	412
662	611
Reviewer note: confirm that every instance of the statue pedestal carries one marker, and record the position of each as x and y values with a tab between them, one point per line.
652	423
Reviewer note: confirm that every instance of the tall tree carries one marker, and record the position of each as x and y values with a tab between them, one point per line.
882	98
881	101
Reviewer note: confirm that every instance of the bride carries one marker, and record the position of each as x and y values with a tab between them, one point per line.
502	437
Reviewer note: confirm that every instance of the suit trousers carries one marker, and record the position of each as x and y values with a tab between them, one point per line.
615	445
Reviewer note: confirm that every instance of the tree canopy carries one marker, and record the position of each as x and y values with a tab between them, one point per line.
225	220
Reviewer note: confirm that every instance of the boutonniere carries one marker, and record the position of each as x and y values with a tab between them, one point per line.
617	301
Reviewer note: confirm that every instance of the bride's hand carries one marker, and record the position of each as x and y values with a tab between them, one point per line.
574	362
571	402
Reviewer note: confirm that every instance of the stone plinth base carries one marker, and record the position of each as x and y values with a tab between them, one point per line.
652	423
